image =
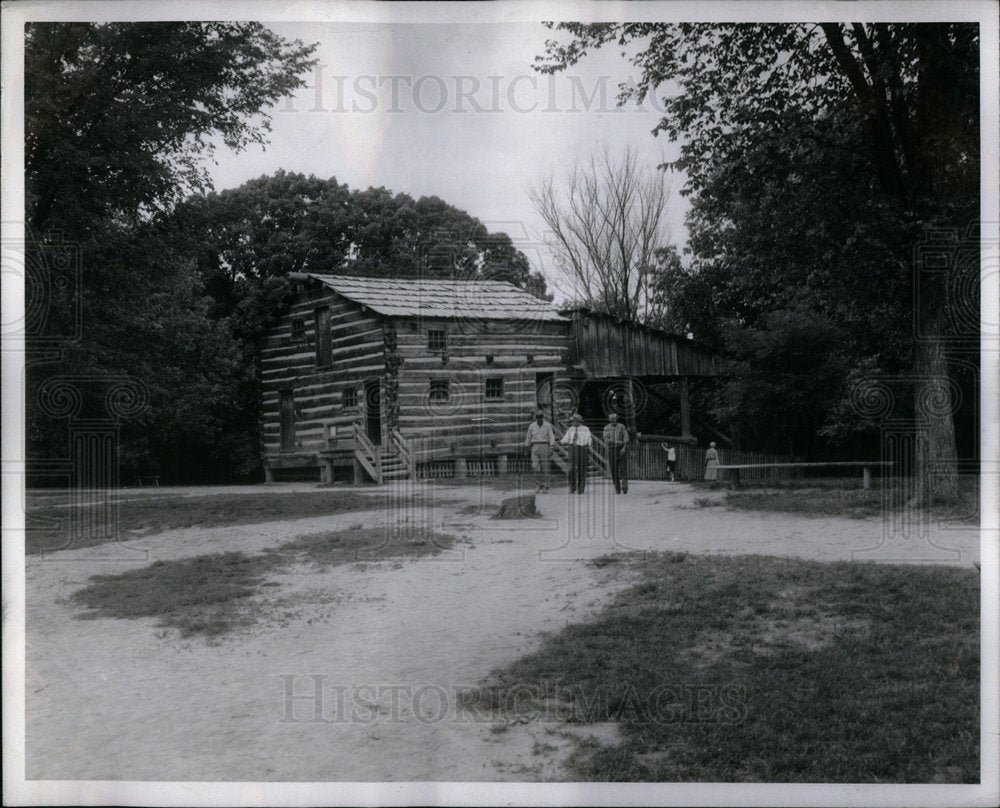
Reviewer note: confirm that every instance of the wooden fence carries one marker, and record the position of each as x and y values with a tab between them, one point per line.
648	461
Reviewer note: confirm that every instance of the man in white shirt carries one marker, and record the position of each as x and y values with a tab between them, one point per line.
577	437
540	441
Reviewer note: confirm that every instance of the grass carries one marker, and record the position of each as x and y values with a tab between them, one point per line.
841	497
209	595
750	668
48	518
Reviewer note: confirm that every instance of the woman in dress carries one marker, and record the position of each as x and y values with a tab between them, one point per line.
711	464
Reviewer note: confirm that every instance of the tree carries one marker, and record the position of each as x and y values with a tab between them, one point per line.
288	222
120	117
886	115
118	121
606	221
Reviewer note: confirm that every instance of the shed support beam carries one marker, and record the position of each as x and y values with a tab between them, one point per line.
685	407
631	412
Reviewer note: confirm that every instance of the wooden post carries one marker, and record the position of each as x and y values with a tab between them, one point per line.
461	467
685	408
866	478
501	464
326	472
631	414
359	472
268	474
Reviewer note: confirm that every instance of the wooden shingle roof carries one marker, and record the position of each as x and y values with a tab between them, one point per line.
431	297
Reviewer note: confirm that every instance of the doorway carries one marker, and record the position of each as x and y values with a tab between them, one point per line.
373	411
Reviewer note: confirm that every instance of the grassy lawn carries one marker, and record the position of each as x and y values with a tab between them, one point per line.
48	519
843	497
208	594
752	668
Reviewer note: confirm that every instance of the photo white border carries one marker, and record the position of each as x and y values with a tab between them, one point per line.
19	791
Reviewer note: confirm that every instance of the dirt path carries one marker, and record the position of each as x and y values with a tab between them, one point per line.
387	646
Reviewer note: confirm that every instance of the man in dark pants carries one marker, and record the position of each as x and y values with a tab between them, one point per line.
577	437
616	437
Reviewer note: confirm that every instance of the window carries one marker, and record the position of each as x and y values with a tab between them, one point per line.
324	342
298	330
494	388
439	391
437	339
350	397
331	434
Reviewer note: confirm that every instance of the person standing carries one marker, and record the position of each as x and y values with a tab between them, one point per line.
711	464
671	451
540	440
577	437
616	437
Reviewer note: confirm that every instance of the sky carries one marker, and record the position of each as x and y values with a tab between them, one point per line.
453	111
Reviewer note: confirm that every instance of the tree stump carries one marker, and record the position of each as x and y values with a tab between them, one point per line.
521	507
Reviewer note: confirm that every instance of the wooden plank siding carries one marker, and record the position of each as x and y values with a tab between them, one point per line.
604	348
289	362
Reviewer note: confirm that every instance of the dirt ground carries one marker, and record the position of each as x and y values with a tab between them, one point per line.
354	674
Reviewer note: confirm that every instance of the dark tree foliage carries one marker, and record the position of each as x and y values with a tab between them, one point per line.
818	158
288	222
120	117
118	121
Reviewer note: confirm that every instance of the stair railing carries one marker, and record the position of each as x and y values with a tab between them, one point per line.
367	454
597	452
403	448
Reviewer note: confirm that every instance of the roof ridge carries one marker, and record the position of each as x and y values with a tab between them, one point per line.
476	298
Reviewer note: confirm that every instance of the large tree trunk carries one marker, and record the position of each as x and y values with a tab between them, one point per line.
936	469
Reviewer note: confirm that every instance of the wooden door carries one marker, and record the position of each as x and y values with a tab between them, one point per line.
373	412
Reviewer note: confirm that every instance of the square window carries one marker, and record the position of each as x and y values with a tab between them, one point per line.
494	388
439	391
298	329
437	339
350	397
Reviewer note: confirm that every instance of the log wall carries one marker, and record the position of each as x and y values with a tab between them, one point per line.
469	423
289	362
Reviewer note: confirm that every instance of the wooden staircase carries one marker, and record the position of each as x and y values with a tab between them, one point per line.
597	464
393	465
383	463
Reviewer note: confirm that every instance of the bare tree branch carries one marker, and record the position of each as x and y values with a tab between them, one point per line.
606	219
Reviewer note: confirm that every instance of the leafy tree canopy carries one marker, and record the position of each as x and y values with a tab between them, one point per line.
119	116
817	157
912	91
118	119
289	222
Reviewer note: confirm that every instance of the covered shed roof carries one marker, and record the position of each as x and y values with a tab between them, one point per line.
605	346
432	297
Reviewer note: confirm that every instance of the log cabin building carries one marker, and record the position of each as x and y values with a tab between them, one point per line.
372	379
